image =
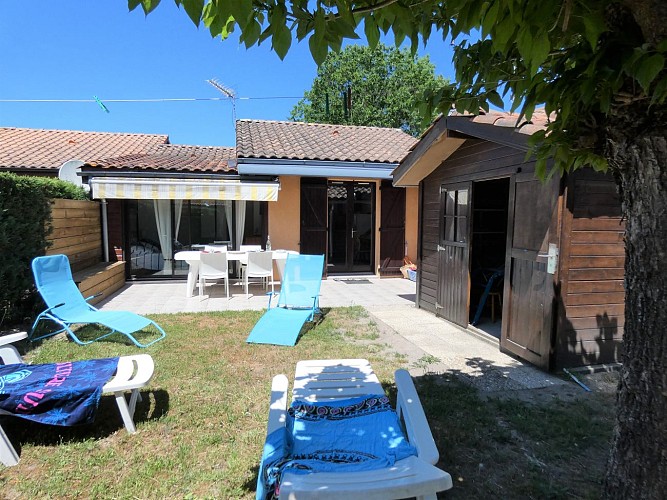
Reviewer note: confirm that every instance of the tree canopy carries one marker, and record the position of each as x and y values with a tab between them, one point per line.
379	87
598	67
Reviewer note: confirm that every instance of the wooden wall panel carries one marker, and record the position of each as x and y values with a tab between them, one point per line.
77	232
590	328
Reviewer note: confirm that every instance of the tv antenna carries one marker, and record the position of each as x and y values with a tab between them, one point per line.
227	91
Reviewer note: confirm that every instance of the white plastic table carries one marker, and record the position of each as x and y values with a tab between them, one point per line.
192	258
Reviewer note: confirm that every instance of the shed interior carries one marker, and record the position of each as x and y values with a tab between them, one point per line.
490	201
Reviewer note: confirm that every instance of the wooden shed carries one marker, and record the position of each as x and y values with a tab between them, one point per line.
539	266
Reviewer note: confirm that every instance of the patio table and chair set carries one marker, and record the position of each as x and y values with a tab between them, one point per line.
339	435
211	263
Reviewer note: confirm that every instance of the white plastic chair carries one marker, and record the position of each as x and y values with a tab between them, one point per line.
280	263
260	265
250	248
213	266
215	248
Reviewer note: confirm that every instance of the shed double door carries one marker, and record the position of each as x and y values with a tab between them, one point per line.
528	306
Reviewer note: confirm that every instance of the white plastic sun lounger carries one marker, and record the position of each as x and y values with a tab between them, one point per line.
329	380
133	373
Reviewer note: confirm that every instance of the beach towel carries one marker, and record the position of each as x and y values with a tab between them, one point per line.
356	434
57	393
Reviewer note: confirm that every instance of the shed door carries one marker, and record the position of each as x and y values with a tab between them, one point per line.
529	284
392	224
313	216
453	289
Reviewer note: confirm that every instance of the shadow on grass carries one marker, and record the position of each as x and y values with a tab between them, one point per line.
504	443
153	406
91	332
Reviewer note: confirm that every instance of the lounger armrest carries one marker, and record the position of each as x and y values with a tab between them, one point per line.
410	410
54	307
93	296
13	337
8	353
134	371
278	406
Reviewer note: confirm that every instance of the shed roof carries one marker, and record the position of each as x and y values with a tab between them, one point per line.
320	142
46	150
447	133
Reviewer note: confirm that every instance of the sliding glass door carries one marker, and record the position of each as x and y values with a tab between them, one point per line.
156	229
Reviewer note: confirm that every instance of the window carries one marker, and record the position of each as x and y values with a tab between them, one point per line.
454	226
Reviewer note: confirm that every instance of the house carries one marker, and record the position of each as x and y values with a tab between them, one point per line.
545	259
336	195
309	187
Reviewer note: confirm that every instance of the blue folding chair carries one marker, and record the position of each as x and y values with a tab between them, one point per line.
298	302
66	306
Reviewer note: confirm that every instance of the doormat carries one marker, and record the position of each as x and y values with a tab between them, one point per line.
353	281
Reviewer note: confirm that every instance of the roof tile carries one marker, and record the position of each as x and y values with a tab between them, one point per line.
174	158
48	149
317	141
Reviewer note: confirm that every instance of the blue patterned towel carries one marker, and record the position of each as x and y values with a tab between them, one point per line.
55	394
355	434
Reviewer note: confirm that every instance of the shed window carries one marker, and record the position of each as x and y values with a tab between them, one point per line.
455	216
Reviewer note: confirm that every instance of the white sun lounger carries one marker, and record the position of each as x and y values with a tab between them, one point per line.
133	373
328	380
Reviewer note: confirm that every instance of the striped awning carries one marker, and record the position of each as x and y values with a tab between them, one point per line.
182	189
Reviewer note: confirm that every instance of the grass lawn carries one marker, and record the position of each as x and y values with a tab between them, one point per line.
201	424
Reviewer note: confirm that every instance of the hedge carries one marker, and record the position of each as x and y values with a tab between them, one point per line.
25	223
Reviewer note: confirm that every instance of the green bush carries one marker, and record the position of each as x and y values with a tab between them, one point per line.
25	223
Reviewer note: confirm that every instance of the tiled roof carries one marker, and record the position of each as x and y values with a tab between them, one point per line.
316	141
22	148
175	158
538	121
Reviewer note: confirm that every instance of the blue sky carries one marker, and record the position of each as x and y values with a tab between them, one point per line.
77	49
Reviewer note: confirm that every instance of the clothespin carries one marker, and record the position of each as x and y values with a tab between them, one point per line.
97	100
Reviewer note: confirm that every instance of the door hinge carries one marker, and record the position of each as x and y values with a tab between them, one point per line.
441	248
438	306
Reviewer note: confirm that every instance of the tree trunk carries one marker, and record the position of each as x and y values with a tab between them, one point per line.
637	465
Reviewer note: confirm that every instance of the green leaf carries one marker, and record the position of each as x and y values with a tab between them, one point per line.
540	51
594	26
490	18
194	9
241	10
149	5
371	31
495	99
282	40
318	49
133	4
344	29
649	68
251	34
660	92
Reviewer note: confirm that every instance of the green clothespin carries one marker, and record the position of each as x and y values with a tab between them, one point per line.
104	108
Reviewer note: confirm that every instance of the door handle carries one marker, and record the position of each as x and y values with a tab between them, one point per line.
552	258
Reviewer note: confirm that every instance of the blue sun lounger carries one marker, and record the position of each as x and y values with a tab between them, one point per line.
297	303
66	306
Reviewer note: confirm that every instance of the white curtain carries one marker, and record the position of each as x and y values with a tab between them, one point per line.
163	223
228	216
240	223
178	210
